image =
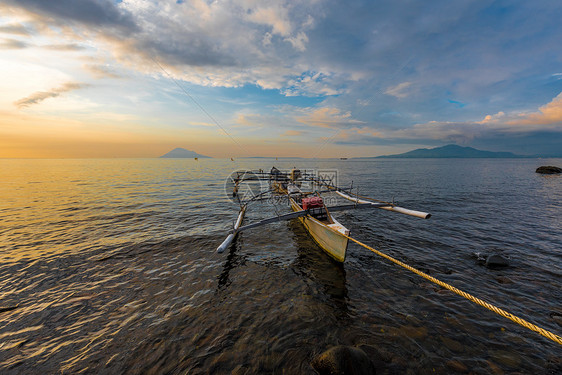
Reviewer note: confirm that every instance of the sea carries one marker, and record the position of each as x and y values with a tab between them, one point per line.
109	266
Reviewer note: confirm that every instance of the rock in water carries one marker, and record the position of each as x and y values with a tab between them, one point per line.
343	360
548	169
496	261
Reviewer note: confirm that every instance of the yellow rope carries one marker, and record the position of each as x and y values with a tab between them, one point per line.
470	297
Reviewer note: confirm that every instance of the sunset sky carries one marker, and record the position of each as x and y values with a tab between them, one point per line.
316	78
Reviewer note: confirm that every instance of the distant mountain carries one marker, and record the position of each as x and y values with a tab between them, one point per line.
453	151
183	153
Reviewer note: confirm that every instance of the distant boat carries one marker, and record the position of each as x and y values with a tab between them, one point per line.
343	158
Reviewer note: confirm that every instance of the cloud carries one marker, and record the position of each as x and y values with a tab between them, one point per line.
39	96
311	84
101	71
326	117
249	120
549	114
299	41
91	12
399	90
228	44
13	44
64	47
275	16
547	119
362	56
16	29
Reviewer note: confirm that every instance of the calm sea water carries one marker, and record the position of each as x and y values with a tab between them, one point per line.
109	266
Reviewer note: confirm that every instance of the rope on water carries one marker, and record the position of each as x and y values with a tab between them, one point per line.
505	314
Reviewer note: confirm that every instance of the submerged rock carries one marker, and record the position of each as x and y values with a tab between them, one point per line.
497	261
548	169
341	360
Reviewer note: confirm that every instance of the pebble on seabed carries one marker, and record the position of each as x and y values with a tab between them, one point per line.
343	360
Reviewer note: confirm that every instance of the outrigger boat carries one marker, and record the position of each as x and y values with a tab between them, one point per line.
307	205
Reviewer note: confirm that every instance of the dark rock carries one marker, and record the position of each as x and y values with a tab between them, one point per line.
341	360
548	169
497	261
378	359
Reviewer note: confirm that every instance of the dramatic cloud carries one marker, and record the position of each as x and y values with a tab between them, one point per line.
549	114
38	97
91	12
372	71
319	48
228	44
548	118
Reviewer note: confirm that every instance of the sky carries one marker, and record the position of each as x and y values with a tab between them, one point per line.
316	78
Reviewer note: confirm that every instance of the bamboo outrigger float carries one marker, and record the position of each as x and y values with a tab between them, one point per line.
307	206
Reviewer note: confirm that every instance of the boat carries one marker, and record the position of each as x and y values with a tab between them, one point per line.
304	192
326	231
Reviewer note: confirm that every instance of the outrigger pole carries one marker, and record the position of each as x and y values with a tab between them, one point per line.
293	215
388	207
226	243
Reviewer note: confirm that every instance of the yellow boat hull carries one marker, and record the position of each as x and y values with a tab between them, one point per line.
329	236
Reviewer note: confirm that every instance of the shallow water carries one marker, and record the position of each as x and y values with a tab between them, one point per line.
108	266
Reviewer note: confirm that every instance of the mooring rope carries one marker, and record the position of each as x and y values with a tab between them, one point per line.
505	314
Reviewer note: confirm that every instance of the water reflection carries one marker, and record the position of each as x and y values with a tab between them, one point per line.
312	263
110	265
233	260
